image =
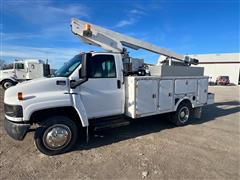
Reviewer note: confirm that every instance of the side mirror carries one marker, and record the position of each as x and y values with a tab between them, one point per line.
83	71
83	74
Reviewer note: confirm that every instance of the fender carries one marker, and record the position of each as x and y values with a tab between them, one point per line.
30	108
78	106
182	99
9	78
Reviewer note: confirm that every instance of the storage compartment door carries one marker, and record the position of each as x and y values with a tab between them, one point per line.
146	93
165	95
20	71
183	86
202	90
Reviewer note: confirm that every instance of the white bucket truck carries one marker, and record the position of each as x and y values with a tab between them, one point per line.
104	90
23	70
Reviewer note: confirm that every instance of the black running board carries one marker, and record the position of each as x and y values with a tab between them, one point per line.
110	126
109	122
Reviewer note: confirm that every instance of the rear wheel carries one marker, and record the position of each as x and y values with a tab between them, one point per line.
56	135
7	84
183	114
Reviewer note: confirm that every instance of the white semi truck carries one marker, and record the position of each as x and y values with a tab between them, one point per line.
23	70
104	89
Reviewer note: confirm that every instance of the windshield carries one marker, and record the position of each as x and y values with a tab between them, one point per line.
69	66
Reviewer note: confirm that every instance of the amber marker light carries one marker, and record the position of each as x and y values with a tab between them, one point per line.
87	27
20	96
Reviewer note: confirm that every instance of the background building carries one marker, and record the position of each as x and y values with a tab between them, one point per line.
226	64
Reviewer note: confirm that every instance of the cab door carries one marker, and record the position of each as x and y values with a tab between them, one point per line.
103	93
20	71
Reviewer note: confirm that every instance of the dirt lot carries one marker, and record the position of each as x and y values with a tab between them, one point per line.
208	148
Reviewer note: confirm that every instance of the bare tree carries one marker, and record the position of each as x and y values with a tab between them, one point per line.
2	63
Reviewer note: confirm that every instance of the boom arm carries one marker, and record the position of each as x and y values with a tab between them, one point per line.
113	41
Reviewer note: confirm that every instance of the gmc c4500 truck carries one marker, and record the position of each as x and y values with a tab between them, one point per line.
104	89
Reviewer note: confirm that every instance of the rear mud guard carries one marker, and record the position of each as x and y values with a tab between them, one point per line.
197	112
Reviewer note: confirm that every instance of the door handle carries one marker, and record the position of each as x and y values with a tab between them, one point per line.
118	84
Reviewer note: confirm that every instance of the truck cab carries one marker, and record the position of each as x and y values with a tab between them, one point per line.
104	84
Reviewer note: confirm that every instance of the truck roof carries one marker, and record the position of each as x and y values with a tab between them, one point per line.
30	61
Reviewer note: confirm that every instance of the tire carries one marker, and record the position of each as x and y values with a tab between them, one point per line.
7	84
183	114
60	127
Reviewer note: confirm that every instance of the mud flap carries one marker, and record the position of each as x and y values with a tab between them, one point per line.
197	112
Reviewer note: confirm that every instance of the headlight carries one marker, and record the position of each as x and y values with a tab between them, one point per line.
13	111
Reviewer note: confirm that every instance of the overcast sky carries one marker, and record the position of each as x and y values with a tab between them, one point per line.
41	29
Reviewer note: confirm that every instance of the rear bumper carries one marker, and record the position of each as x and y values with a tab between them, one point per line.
16	130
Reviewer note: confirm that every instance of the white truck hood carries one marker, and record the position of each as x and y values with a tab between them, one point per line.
9	73
35	87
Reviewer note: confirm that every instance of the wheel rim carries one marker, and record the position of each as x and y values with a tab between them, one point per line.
57	137
7	85
183	114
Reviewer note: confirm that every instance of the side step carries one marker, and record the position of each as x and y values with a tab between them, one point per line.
109	122
111	125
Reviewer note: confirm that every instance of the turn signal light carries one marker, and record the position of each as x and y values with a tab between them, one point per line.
20	96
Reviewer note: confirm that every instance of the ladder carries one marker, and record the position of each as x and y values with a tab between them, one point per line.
115	42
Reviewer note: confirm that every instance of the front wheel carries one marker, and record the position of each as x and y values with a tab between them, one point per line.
182	115
56	135
7	84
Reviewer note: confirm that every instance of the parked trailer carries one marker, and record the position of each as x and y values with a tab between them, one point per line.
100	90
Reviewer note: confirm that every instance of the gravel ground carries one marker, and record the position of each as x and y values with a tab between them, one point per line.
151	148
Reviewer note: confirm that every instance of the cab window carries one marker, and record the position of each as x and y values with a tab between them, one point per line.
102	66
19	66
